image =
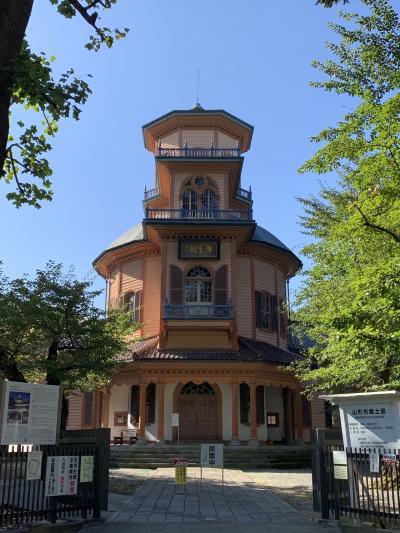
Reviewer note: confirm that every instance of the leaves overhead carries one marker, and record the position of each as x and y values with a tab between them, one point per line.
350	298
31	84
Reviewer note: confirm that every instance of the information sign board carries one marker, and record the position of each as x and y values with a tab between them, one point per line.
374	463
212	456
62	475
181	472
86	473
371	426
175	420
34	465
29	413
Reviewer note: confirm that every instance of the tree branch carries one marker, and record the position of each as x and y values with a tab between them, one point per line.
369	224
90	19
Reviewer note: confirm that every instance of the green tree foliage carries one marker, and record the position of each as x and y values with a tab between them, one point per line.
51	331
27	80
350	299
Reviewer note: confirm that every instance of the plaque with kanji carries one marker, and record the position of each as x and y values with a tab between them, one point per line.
199	249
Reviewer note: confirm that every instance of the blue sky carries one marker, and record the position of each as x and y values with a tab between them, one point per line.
254	60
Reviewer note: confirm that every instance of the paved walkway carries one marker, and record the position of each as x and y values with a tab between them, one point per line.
205	505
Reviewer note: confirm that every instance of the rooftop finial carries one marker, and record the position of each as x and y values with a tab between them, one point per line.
198	87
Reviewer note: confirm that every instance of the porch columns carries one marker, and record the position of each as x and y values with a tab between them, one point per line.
298	416
160	422
253	415
235	426
142	412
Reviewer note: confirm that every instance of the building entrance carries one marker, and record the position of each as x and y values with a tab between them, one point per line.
199	412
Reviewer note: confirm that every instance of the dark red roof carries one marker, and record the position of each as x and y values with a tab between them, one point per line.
249	351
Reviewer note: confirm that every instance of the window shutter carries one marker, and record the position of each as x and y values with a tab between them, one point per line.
260	405
221	282
138	310
134	407
258	310
274	312
176	285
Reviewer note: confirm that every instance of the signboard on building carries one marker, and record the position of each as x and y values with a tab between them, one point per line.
29	413
62	475
175	420
212	456
369	420
198	249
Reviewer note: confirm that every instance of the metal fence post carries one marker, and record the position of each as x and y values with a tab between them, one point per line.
322	473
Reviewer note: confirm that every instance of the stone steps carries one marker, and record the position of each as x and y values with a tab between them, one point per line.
241	457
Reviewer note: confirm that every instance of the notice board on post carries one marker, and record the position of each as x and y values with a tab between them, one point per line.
30	413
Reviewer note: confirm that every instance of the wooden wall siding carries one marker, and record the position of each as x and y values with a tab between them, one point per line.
172	258
198	138
178	179
132	276
264	280
226	141
193	339
75	403
152	296
244	299
170	141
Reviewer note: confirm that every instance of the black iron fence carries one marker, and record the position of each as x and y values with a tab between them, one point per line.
24	500
363	484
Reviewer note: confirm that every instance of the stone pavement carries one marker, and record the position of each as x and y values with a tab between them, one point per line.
204	505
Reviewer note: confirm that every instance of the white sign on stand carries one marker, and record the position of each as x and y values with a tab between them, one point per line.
340	465
212	456
29	413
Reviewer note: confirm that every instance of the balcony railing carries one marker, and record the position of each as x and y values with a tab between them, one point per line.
151	193
199	153
234	215
244	194
193	311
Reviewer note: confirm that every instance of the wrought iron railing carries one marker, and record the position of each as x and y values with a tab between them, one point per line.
198	311
151	193
243	193
199	153
241	215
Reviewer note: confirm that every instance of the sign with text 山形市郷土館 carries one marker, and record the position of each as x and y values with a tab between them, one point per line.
369	420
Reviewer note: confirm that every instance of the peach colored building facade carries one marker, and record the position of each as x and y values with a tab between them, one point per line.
208	286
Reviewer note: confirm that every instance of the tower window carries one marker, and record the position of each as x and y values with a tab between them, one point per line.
198	286
133	305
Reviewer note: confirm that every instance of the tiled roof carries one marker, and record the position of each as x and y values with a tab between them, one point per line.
249	351
299	342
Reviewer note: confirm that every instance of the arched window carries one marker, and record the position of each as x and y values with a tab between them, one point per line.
132	301
189	201
198	286
202	389
208	201
199	197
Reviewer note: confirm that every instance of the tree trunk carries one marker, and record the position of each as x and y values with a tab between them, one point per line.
53	377
9	367
14	17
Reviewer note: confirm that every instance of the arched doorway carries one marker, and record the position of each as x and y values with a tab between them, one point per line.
199	409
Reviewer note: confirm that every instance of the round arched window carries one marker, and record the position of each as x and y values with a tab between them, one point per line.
199	197
198	286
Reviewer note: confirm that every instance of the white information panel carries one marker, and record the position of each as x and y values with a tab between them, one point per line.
175	420
34	465
372	425
62	475
212	456
29	413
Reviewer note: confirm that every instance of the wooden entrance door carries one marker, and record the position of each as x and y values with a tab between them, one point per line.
199	412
